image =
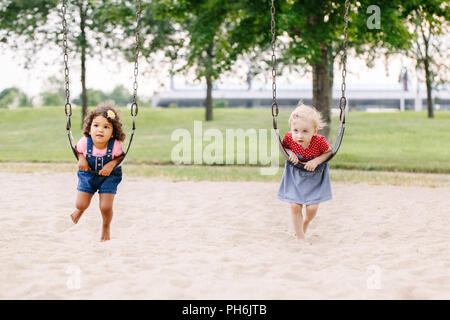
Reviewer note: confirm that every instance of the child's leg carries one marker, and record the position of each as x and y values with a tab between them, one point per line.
297	220
106	208
82	203
311	211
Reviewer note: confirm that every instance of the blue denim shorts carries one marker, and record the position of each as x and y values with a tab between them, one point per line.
90	182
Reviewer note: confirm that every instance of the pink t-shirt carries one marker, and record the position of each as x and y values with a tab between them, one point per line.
82	148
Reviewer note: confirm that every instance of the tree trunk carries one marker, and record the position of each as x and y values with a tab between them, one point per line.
323	88
209	77
84	100
429	88
209	101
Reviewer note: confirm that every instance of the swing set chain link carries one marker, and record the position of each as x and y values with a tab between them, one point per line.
274	61
134	106
68	106
343	100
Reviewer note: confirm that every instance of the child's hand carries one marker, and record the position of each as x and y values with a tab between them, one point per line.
293	158
83	164
106	170
311	165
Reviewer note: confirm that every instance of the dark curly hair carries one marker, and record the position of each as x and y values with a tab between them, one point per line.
102	110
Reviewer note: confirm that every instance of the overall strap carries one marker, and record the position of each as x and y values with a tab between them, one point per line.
110	147
90	146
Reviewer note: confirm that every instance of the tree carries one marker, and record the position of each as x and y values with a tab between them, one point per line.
120	95
204	35
51	99
54	94
430	20
93	35
316	27
95	97
13	97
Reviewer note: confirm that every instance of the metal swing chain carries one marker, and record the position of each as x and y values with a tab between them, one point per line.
67	106
343	100
134	106
274	70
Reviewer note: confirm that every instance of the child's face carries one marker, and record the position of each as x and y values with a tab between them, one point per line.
101	130
302	131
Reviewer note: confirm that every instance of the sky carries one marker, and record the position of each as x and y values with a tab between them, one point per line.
105	75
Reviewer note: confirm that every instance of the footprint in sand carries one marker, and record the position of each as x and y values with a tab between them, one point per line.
314	238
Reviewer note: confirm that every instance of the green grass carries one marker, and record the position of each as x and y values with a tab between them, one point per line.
405	141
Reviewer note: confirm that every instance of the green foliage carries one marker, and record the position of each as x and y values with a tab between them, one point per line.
120	96
216	33
54	94
25	18
430	22
314	24
52	99
221	103
13	97
94	97
145	103
29	20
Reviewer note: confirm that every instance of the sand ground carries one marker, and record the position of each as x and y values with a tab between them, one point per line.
221	240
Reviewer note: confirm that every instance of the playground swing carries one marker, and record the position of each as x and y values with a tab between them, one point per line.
342	101
68	106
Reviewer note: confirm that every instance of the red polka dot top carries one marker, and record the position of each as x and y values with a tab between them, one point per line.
317	146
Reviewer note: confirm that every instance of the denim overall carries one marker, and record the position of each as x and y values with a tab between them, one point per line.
90	181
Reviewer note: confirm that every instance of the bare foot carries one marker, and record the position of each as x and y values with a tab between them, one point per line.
105	234
75	216
302	241
300	238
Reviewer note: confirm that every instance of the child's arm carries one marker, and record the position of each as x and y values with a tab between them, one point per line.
286	144
311	165
108	168
292	156
83	164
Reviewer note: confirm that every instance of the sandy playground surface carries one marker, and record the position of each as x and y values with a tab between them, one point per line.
221	240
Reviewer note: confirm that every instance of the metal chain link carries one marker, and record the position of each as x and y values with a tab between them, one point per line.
274	61
343	100
68	106
134	106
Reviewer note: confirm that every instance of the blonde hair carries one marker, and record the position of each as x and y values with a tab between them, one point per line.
307	113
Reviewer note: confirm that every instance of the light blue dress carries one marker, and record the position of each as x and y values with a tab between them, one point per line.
305	187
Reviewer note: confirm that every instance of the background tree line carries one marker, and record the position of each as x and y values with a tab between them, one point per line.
208	36
55	96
